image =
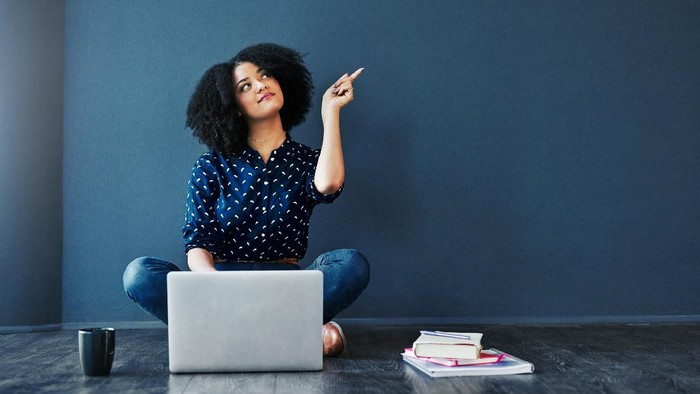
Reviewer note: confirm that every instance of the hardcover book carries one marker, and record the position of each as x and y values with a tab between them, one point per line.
484	358
442	344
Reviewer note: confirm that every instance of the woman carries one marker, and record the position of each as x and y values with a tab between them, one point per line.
251	196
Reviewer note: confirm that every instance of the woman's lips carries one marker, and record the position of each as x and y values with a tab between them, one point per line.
266	96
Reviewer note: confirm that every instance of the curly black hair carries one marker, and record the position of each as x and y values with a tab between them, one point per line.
212	112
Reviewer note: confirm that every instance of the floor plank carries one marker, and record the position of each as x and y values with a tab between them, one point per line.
582	358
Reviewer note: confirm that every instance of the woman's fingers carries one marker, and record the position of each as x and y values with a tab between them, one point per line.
346	77
340	80
356	73
344	84
342	89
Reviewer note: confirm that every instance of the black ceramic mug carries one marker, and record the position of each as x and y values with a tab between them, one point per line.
96	346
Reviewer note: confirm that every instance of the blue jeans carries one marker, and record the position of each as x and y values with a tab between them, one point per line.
345	276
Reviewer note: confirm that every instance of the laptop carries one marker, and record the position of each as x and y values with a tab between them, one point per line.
245	321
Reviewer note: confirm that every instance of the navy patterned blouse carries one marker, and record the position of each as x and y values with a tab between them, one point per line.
240	208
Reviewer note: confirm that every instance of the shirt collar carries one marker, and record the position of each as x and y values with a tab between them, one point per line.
249	154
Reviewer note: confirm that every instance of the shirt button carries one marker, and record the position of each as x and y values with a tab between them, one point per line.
267	183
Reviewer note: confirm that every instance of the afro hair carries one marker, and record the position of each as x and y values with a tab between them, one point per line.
212	111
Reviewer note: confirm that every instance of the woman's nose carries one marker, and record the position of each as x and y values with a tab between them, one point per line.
261	86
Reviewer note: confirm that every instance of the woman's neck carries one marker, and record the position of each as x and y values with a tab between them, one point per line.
266	136
265	129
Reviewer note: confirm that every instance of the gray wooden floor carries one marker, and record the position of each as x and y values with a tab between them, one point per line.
588	358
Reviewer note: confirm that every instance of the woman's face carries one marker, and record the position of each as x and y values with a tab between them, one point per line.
257	93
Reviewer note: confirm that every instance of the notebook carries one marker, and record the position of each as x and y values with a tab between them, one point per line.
245	321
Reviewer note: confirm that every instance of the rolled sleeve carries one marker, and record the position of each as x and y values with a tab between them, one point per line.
319	198
316	196
201	229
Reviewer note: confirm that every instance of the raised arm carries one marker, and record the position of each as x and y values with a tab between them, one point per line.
330	170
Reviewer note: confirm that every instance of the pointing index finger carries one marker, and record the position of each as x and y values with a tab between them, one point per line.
356	74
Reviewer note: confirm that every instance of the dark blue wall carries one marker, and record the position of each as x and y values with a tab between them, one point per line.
507	161
31	134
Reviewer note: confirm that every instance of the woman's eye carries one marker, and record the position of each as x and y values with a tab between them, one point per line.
245	87
264	75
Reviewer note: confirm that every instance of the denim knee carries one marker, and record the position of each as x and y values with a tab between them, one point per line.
133	277
359	265
139	273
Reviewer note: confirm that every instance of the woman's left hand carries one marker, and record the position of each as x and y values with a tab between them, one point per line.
340	93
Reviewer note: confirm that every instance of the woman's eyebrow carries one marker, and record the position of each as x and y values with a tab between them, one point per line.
239	82
260	70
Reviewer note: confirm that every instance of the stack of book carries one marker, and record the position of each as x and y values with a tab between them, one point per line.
441	353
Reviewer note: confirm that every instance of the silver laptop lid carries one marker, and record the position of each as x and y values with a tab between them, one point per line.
239	321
